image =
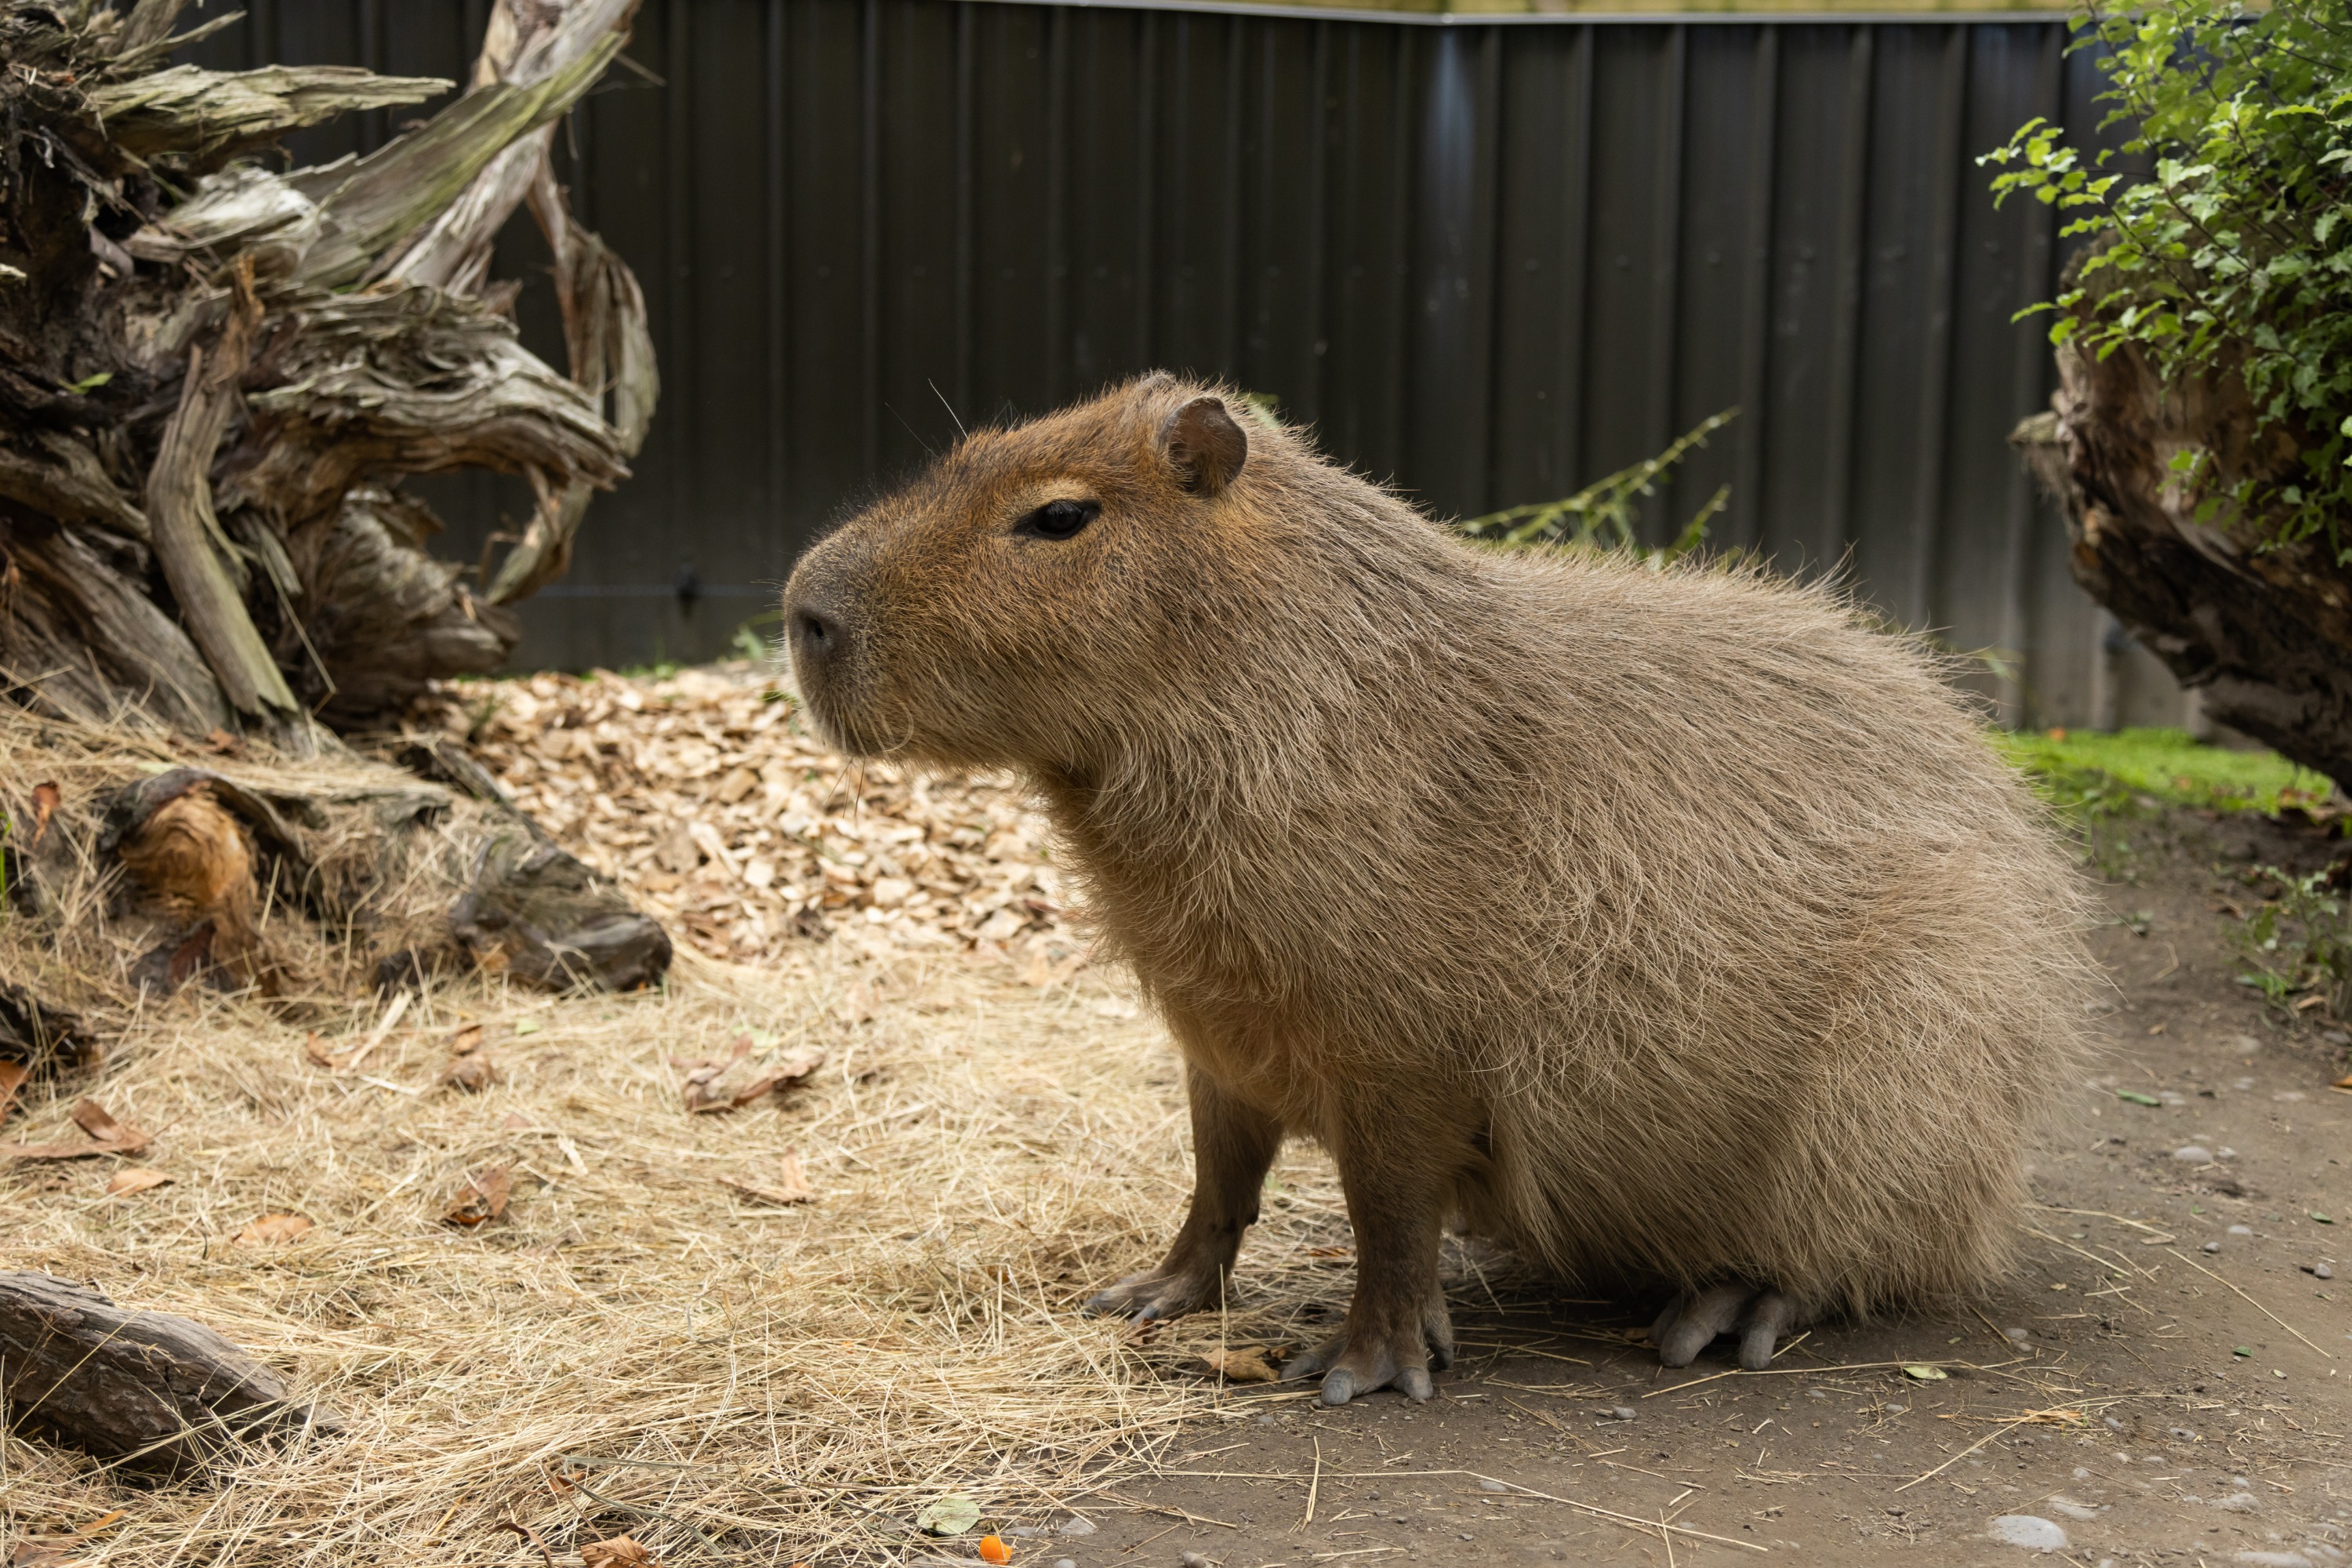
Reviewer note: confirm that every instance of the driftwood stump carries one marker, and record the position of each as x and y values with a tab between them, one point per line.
214	371
153	1391
2264	633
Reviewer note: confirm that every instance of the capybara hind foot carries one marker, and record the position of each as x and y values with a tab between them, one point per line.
1361	1357
1690	1323
1164	1292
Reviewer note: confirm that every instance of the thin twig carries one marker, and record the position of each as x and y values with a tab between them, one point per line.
2249	1302
1631	1520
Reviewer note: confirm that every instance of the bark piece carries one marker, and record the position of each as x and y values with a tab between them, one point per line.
372	203
214	114
41	1035
2264	635
85	640
154	1391
190	544
544	918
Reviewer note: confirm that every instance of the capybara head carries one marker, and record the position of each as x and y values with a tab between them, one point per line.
1034	585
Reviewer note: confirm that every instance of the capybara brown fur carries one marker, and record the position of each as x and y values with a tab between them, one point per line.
1674	927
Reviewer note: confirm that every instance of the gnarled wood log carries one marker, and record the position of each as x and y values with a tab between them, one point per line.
2264	633
151	1391
213	376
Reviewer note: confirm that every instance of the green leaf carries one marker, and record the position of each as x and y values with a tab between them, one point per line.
2136	1098
951	1515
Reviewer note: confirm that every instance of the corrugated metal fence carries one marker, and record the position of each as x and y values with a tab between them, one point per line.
1490	261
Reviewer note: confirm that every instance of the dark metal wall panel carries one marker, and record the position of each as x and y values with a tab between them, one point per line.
1488	263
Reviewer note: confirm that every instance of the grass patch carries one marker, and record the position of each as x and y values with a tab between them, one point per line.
2081	767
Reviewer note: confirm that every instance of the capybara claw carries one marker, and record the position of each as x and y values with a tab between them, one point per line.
1691	1323
1348	1369
1146	1298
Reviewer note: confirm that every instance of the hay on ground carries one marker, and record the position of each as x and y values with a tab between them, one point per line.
641	1343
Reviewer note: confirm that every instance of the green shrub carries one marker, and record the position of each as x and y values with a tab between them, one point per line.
1606	514
2234	257
2297	944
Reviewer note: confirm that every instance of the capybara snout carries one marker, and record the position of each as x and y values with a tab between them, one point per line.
1002	601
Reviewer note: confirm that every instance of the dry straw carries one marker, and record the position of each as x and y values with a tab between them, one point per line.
636	1346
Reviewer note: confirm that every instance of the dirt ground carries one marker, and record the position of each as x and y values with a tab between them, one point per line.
2179	1324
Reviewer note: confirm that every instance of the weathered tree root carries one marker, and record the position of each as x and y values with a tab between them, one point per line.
2263	634
151	1392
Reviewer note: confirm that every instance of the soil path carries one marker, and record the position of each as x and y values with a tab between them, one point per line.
2181	1317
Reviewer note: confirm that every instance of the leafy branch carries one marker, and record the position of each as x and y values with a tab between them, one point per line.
2232	258
1605	514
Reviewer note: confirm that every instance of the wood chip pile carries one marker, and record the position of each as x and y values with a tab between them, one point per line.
705	792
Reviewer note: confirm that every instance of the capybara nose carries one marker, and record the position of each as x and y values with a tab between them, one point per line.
815	632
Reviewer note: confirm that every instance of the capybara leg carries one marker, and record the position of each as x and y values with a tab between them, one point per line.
1690	1323
1398	1328
1232	1145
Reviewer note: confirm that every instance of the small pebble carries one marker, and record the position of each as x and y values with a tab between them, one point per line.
1194	1559
2321	1271
2241	1230
1622	1412
2212	1246
1074	1525
2020	1335
1066	1563
2028	1531
1492	1487
2193	1154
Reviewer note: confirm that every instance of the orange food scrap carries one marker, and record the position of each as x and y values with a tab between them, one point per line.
993	1550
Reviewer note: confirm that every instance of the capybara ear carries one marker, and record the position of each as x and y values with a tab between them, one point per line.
1205	446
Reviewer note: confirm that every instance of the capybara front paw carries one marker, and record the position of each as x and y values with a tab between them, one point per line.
1691	1322
1164	1292
1357	1361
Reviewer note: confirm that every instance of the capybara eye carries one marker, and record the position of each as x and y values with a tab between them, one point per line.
1058	519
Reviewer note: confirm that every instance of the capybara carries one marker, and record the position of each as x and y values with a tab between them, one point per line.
1675	928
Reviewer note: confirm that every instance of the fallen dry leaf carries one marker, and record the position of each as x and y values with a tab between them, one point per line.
31	1553
314	1046
472	1073
1240	1364
790	1185
481	1197
113	1137
100	1123
465	1038
133	1179
273	1229
621	1551
46	797
2344	1082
